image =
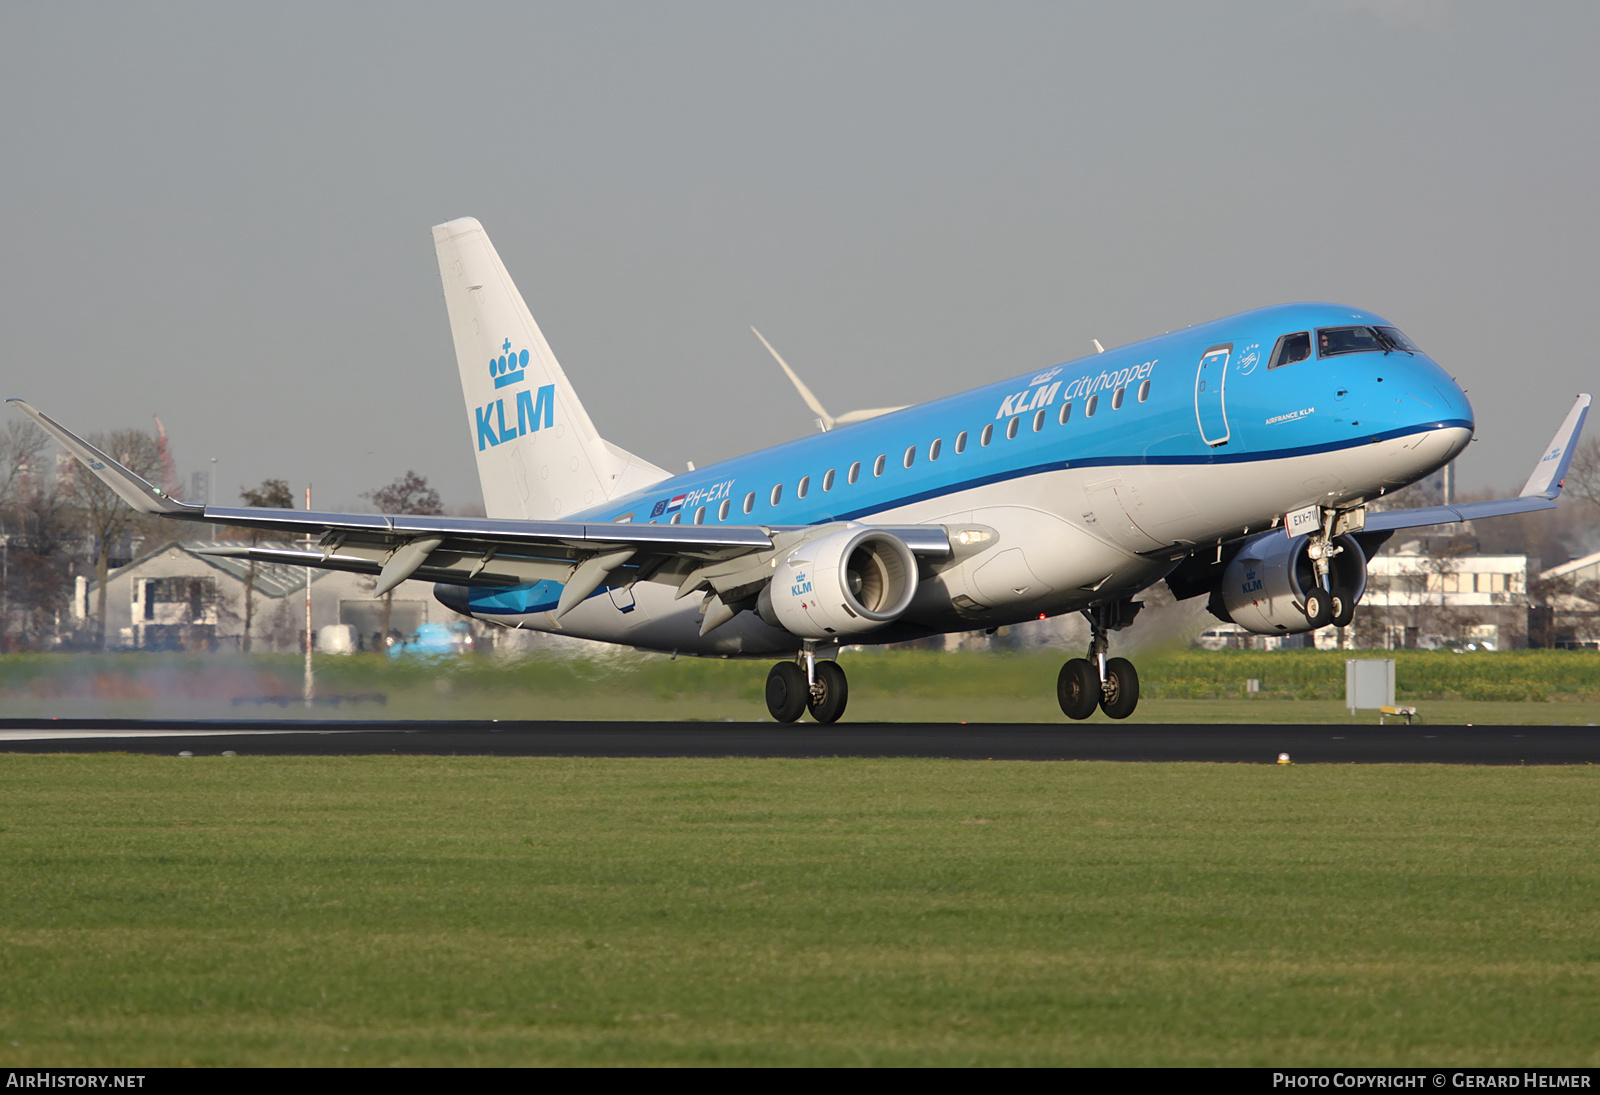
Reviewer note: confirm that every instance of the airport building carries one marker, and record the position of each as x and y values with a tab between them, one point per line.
1432	601
1571	607
175	597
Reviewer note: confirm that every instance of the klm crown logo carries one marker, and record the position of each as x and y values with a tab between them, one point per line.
508	367
530	413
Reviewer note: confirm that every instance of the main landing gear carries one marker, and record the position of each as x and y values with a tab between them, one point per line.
1111	684
808	684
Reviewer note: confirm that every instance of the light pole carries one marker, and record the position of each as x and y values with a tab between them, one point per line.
311	680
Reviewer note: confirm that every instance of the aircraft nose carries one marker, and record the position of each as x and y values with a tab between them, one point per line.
1433	386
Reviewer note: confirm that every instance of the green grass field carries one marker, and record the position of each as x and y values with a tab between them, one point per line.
458	911
886	686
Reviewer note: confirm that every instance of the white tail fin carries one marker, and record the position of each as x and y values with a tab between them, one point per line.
539	456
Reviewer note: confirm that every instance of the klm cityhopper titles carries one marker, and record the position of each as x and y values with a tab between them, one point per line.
1233	460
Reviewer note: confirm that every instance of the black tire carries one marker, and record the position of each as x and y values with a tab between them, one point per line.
1078	689
834	692
1343	609
1319	608
787	692
1121	692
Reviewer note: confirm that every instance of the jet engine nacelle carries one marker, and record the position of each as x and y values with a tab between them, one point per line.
844	583
1264	589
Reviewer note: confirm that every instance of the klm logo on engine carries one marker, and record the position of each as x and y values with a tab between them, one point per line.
1252	584
802	585
531	412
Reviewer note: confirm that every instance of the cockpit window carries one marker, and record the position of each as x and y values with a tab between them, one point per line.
1333	341
1291	348
1398	340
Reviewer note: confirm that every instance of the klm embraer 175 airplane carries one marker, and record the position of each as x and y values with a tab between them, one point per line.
1234	459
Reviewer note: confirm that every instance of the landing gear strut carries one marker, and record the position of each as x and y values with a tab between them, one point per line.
1329	602
807	684
1111	684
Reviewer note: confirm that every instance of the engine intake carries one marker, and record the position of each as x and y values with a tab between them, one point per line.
1264	588
844	583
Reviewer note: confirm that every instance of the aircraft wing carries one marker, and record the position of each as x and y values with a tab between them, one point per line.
1540	491
484	551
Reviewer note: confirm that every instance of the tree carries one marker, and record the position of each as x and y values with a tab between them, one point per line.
271	494
1583	475
106	517
38	563
409	494
20	445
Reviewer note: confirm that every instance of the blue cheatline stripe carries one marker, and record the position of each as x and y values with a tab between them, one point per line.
552	592
1147	461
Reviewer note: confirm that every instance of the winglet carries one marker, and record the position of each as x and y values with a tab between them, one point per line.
142	496
1550	472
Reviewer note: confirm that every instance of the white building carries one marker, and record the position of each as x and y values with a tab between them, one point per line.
1437	600
174	597
1571	594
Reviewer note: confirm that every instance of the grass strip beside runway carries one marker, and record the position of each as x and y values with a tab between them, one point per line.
1177	686
369	911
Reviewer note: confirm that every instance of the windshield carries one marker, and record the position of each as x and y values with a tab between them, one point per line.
1333	341
1398	340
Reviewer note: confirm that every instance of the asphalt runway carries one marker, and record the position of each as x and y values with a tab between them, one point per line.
1255	744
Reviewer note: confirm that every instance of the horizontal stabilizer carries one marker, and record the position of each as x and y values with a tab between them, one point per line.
825	421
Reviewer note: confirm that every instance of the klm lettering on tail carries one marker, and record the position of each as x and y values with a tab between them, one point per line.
531	417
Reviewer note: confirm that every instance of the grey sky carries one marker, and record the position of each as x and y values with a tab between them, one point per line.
220	214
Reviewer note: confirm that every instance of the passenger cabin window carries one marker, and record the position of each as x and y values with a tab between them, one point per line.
777	493
1291	348
700	516
722	510
1066	412
911	456
855	473
877	465
827	480
987	435
750	501
1011	428
1038	421
961	442
933	449
677	518
803	487
1089	407
1144	391
1116	399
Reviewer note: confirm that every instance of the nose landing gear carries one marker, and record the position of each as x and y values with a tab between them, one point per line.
1111	684
1330	602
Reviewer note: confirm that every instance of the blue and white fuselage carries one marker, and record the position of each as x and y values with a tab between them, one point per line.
1097	477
